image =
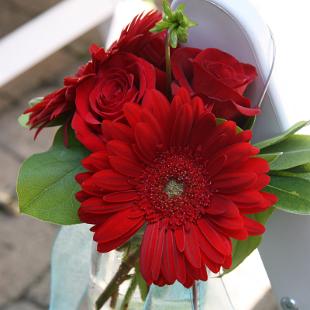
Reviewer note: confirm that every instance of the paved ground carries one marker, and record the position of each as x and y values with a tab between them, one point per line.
25	243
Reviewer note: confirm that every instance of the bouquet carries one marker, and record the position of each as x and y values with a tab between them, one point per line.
154	151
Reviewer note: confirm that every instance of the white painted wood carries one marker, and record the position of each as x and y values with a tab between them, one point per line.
47	33
123	14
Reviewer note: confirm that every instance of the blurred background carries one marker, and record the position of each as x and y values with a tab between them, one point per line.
26	243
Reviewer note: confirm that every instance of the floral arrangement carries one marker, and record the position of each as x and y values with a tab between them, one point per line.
154	150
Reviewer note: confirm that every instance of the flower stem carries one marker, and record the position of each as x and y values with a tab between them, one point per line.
120	276
129	293
168	62
114	298
195	296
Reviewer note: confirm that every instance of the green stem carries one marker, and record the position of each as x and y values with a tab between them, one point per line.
120	276
114	298
129	293
168	63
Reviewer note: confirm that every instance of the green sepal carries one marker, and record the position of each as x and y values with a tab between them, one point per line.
23	120
46	183
176	23
35	101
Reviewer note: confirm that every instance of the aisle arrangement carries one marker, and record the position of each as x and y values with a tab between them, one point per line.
154	151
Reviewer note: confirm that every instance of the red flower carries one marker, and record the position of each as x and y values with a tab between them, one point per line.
218	78
53	106
120	79
135	38
190	181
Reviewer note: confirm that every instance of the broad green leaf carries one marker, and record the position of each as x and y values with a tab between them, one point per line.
292	190
301	169
263	144
295	149
46	186
23	120
270	157
243	248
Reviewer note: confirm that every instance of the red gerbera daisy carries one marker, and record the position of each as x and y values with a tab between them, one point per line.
188	180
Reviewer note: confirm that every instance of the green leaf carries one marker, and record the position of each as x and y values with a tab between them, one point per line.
166	8
23	120
176	22
143	287
46	186
263	144
295	149
292	190
270	157
243	248
302	168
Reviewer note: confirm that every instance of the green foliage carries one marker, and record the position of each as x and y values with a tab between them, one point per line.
274	140
292	189
46	186
290	169
24	118
289	157
143	287
271	157
176	23
295	152
35	101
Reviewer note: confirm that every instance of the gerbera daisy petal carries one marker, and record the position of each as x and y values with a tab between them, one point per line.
234	182
168	268
192	251
125	167
213	236
122	149
120	197
110	180
158	252
147	250
117	226
180	238
254	228
146	140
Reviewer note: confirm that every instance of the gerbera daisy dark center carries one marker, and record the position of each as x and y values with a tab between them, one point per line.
176	187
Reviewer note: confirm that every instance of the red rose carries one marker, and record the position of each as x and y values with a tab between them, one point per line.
135	38
121	78
217	77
